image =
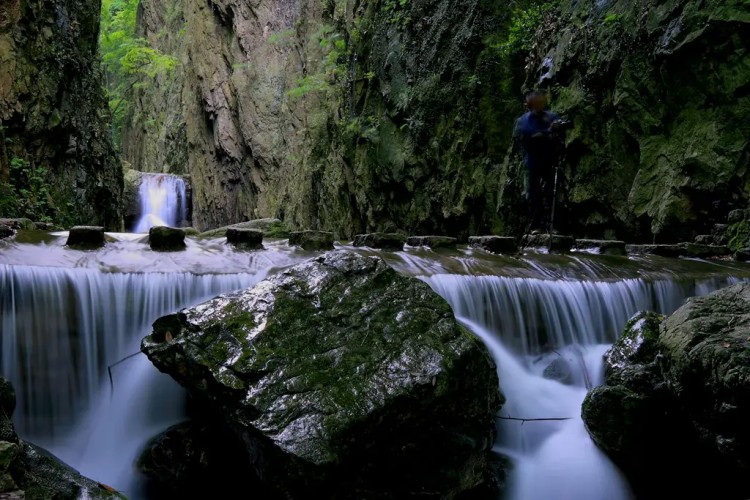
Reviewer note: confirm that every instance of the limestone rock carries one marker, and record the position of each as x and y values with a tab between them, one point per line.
338	373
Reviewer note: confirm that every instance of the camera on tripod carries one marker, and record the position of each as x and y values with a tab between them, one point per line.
562	124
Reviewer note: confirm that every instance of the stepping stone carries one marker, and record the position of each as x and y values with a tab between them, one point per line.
434	242
603	247
704	239
553	243
495	244
660	250
705	251
86	237
312	240
17	224
166	239
383	241
247	239
6	231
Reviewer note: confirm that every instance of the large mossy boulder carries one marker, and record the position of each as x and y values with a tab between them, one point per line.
341	378
86	237
677	399
27	471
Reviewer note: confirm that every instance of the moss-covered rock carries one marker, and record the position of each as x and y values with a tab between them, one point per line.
338	375
249	239
312	240
677	397
166	239
6	231
384	241
271	228
655	90
86	237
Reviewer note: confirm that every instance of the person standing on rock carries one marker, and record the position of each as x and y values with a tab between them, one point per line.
538	134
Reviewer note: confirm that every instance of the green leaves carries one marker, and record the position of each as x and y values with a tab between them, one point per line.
130	61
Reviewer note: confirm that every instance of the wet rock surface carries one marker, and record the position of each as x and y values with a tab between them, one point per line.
86	237
657	249
677	399
338	374
383	241
6	231
433	242
166	239
495	244
553	243
603	247
271	228
248	239
312	240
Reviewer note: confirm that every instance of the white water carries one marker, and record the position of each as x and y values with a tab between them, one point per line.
526	324
62	328
163	202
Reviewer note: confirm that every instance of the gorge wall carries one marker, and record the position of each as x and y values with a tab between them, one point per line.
397	114
56	157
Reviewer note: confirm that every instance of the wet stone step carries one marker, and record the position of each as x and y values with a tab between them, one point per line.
433	242
657	249
382	241
603	247
705	251
166	239
312	240
86	237
495	244
247	239
553	243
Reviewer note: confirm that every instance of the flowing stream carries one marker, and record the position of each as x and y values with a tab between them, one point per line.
163	201
68	316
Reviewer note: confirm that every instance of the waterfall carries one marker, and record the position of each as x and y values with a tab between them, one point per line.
527	324
61	329
163	202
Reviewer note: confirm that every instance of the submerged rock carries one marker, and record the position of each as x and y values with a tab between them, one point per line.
559	369
86	237
704	251
166	239
660	250
677	399
553	243
337	375
383	241
312	240
27	471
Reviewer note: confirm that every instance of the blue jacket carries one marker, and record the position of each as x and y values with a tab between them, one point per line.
540	151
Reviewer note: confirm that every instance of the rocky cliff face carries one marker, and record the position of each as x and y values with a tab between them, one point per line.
377	115
326	114
658	91
53	113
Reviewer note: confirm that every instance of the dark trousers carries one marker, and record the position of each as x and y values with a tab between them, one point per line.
540	187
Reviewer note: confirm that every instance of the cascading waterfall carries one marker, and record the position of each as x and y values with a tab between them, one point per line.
527	324
163	201
62	328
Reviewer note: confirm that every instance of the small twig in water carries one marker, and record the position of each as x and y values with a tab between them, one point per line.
523	420
109	369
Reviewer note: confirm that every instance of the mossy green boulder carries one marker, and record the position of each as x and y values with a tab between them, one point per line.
677	399
340	375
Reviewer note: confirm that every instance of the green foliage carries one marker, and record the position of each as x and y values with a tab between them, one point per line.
396	11
129	60
612	18
282	38
524	22
26	195
333	68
